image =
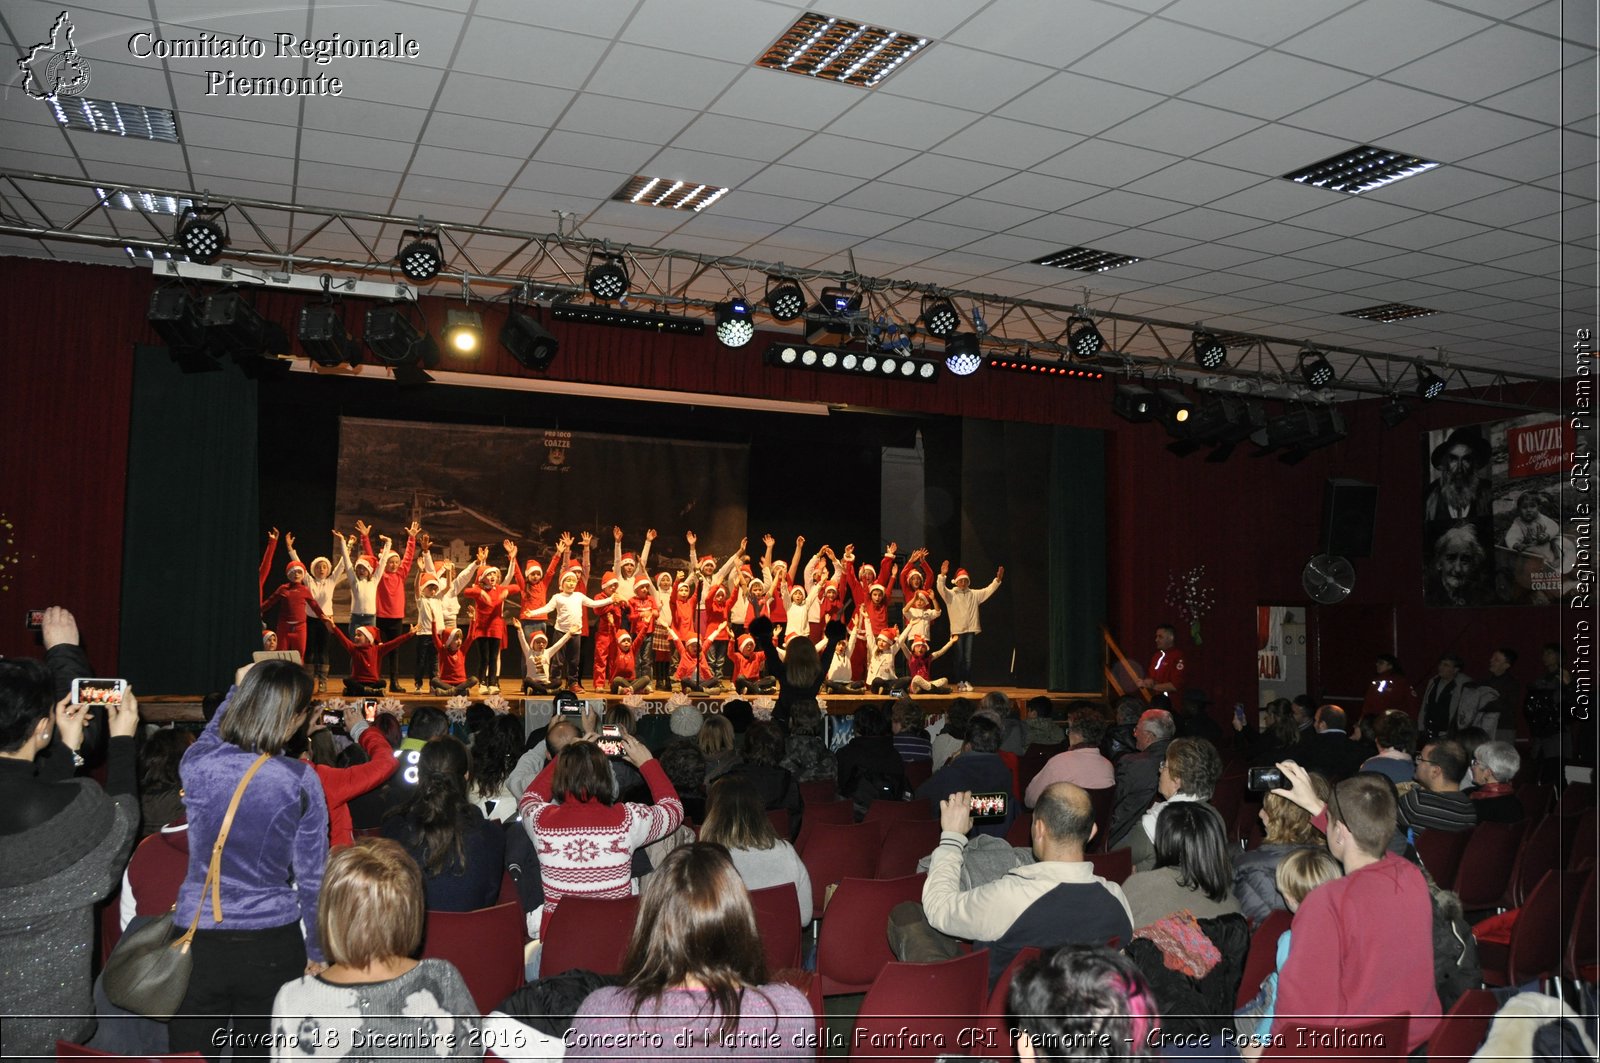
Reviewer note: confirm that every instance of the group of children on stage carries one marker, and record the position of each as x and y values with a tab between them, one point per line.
688	629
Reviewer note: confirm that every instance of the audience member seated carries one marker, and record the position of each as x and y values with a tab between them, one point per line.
1056	900
462	855
806	753
977	769
695	965
1493	768
1288	830
685	767
1275	736
370	922
370	809
585	839
869	768
1081	764
776	785
947	743
1193	718
1138	773
1189	772
1192	870
342	785
1013	732
911	739
1083	1002
1395	735
160	796
736	819
63	843
1119	739
1436	801
557	734
495	751
1302	871
1364	942
1043	730
716	745
1329	748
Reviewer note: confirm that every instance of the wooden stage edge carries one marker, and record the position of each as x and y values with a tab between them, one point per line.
158	708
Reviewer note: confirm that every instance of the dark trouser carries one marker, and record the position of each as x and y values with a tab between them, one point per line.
317	646
488	650
427	659
963	668
569	673
717	658
392	627
356	688
662	671
237	974
623	685
765	685
459	688
883	686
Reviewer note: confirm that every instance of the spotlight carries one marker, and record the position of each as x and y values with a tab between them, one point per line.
234	326
421	255
1429	384
463	330
1084	339
176	319
940	316
528	341
1133	403
1316	370
961	355
606	279
201	233
786	300
1298	431
735	328
832	318
399	343
1209	350
841	302
324	337
1394	412
1175	408
1223	421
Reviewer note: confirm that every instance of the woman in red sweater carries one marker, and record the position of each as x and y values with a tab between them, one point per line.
586	840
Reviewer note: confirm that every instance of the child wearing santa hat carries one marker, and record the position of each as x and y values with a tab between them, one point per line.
488	630
886	644
916	576
293	600
430	621
961	603
363	580
919	613
627	566
840	678
537	654
454	582
393	569
690	675
650	634
608	621
918	658
748	664
565	610
534	582
366	658
623	669
450	673
322	578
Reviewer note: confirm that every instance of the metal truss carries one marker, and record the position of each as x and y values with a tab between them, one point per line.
487	262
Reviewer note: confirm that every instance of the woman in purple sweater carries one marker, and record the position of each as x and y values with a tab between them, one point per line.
693	978
271	864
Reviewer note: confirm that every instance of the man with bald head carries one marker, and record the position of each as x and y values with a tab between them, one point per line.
1055	899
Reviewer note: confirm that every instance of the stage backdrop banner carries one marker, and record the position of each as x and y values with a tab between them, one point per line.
1493	531
476	485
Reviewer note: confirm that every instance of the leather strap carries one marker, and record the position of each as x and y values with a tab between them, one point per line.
213	883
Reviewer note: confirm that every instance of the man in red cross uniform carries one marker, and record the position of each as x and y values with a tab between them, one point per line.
1164	678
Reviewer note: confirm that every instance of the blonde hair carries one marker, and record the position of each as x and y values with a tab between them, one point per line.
716	735
1303	871
372	904
1289	824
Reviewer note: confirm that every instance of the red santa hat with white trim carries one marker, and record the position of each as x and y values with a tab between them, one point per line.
642	584
371	632
961	574
290	568
533	570
368	560
747	642
609	582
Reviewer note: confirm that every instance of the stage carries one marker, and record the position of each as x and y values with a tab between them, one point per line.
157	708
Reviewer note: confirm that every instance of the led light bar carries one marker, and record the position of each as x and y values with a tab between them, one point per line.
648	320
1028	365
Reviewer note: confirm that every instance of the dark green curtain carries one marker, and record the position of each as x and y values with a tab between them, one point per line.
190	550
1077	557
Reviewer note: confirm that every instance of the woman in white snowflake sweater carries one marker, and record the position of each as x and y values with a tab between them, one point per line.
586	840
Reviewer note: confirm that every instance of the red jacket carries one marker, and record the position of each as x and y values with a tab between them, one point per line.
622	663
339	785
392	585
452	664
296	598
747	667
365	658
488	610
536	592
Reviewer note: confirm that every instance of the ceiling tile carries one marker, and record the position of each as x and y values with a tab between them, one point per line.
495	170
525	54
983	214
598	153
1013	246
771	96
1371	112
1271	85
1181	128
204	130
1078	104
1279	238
1437	189
1464	133
1105	163
935	234
1213	256
599	18
1045	31
1040	191
1201	223
506	101
348	150
738	137
1534	158
897	120
434	30
1363	37
1353	216
960	77
332	177
800	183
1264	23
1016	143
778	210
703	28
445	191
722	170
465	133
1573	20
1148	244
569	180
856	158
1274	200
1509	207
1498	246
1164	57
1550	99
1063	231
1345	253
944	174
1501	57
637	73
1124	208
863	223
1426	233
1194	182
901	200
1273	150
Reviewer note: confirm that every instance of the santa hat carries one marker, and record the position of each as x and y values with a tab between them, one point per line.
454	633
291	566
744	570
692	640
435	581
486	571
532	570
641	584
609	581
708	560
831	589
867	569
629	557
919	642
797	589
921	599
371	633
746	643
961	574
574	569
368	560
720	591
886	635
315	561
624	638
876	586
539	636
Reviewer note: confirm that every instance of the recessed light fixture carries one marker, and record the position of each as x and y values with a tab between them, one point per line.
668	192
118	119
836	49
148	202
1360	170
1084	259
1389	312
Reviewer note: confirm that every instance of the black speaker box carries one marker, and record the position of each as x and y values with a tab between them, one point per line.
1349	514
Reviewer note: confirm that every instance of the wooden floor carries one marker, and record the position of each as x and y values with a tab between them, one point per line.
168	708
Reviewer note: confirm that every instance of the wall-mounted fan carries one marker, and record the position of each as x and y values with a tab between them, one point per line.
1328	578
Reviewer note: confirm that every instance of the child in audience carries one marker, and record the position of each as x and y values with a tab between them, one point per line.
369	920
1302	871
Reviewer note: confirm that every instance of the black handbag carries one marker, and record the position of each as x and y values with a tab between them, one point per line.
148	972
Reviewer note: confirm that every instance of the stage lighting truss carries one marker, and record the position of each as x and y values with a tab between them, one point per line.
1209	350
324	336
735	325
1084	339
940	316
606	278
1051	369
1316	370
421	255
529	342
1430	385
647	320
202	233
785	300
463	331
849	360
961	354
